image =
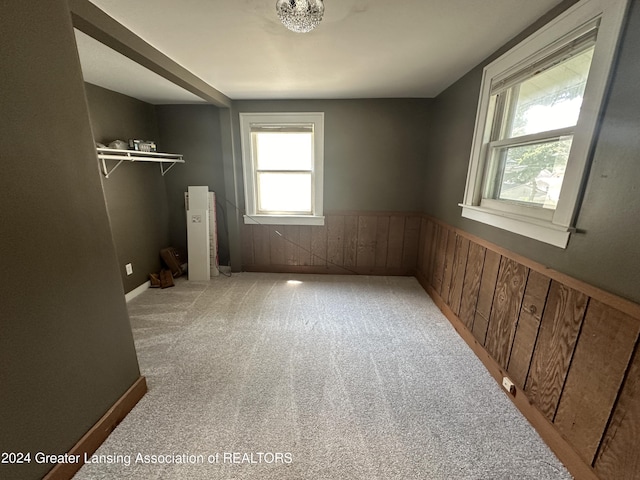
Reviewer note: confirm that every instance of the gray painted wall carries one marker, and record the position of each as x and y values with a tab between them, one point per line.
374	157
194	131
374	154
374	149
66	349
135	193
606	252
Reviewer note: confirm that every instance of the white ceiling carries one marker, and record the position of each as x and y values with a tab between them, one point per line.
109	69
362	48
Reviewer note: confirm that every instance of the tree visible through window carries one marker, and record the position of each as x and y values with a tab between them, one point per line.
549	101
537	115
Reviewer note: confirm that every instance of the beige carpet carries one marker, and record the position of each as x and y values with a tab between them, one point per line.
257	376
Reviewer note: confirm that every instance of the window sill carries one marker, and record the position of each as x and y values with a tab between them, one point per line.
284	220
540	230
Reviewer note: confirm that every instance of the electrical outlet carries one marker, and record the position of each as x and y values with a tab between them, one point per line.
129	268
508	385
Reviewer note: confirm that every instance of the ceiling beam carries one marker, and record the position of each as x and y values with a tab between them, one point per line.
92	21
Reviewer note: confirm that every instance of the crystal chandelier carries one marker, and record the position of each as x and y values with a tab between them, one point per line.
300	16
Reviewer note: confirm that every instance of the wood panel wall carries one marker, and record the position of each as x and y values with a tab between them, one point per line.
570	349
370	243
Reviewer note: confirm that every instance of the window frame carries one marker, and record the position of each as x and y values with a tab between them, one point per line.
250	171
554	228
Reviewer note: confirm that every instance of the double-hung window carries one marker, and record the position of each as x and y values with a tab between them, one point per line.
537	114
282	165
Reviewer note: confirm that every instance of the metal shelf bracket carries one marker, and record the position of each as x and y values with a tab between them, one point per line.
166	160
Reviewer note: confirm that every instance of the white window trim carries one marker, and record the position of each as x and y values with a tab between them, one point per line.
557	231
251	217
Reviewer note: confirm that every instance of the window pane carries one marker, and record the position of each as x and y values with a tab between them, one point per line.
551	99
284	192
284	151
533	174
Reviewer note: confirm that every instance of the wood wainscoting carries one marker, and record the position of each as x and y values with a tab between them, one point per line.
571	349
369	243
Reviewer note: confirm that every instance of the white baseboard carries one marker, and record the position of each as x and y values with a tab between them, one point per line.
136	291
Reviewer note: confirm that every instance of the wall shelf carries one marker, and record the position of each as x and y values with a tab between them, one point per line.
166	160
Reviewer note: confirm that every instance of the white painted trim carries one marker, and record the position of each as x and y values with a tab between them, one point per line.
539	230
532	138
284	220
518	210
317	119
611	14
137	291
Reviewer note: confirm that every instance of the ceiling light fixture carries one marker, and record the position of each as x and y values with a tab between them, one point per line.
300	16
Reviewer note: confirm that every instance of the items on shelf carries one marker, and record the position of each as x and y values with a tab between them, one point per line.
118	145
166	160
142	145
133	144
